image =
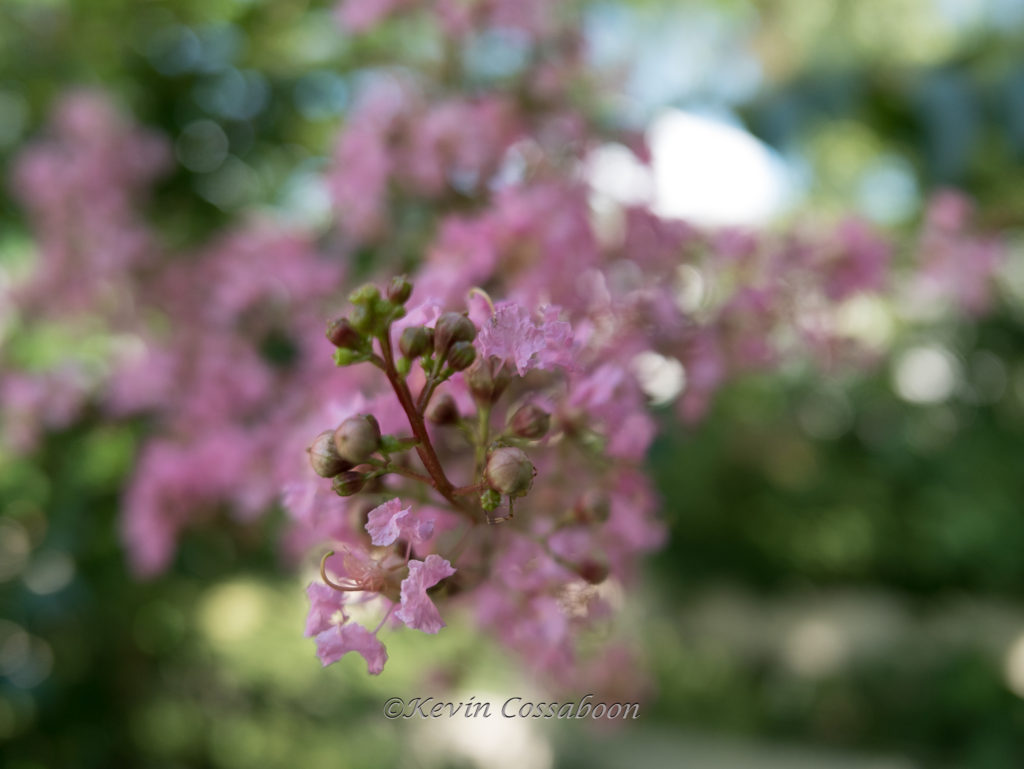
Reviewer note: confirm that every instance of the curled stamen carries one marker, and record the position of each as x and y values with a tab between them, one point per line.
327	580
476	290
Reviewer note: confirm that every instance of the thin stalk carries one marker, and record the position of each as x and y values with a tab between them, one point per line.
424	448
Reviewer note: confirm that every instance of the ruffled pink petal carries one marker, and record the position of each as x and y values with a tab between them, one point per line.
417	610
389	521
324	603
512	334
337	641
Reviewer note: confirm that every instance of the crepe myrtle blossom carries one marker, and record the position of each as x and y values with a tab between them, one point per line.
528	412
516	384
361	572
529	343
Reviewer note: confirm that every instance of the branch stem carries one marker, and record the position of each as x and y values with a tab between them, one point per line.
424	448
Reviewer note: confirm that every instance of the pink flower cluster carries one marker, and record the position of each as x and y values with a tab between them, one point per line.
191	336
530	426
82	188
456	17
532	415
226	378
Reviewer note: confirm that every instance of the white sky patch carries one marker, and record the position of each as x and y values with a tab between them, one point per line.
305	199
615	172
713	173
926	375
661	378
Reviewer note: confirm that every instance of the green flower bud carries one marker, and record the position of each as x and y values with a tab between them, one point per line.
450	328
387	310
341	334
461	355
443	411
489	500
363	318
530	422
365	294
416	341
357	438
399	290
324	458
346	357
348	483
509	471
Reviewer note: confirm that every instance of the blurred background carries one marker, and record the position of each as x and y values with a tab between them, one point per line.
843	583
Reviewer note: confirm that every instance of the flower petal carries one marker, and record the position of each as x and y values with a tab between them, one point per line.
417	610
324	603
337	641
389	521
512	334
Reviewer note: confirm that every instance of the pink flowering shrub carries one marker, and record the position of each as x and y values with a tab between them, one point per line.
465	453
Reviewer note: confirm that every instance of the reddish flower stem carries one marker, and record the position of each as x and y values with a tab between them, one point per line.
425	394
424	448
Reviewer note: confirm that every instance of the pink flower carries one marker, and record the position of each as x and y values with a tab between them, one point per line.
324	603
362	15
859	261
390	521
955	265
511	334
417	610
338	640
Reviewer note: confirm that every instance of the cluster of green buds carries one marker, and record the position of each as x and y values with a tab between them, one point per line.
371	316
356	452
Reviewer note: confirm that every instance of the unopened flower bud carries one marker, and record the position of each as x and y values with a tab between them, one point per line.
357	438
443	411
416	341
399	290
530	422
450	328
487	379
363	318
592	507
461	355
593	571
346	357
489	500
341	334
324	457
509	471
365	294
348	483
